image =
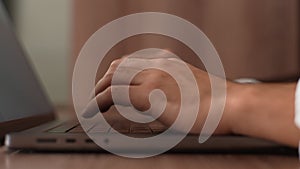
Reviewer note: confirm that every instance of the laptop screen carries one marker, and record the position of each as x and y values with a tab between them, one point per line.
21	95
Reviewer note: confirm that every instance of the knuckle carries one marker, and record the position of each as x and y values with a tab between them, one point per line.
141	107
109	75
162	63
154	79
173	59
141	102
115	63
107	92
148	87
157	76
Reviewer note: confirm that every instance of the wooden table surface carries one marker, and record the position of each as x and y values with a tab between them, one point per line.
19	160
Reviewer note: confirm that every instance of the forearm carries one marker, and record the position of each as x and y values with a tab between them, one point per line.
266	111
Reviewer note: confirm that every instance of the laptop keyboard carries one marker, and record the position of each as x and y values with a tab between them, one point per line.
124	128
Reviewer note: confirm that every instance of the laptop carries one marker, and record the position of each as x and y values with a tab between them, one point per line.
28	121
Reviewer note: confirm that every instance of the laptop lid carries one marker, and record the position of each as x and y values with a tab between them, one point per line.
23	103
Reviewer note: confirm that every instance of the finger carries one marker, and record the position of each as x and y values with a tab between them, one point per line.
127	67
153	54
122	95
114	64
91	109
143	64
100	103
122	76
126	96
106	78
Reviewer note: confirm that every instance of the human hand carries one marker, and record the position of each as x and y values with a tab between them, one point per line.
148	80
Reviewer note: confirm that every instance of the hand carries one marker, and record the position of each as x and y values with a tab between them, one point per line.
259	110
150	79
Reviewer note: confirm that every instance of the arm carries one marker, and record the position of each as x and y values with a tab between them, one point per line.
266	111
258	110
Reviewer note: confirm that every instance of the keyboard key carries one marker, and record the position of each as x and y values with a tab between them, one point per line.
123	128
140	129
63	128
99	128
157	128
77	129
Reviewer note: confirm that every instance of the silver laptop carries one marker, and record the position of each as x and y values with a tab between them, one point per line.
28	122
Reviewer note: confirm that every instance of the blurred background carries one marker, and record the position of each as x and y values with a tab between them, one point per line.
44	28
254	38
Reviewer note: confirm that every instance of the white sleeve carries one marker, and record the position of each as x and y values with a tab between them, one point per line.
297	105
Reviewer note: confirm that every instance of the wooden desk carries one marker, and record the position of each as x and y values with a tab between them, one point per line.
17	160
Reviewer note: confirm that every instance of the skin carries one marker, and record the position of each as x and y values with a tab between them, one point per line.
259	110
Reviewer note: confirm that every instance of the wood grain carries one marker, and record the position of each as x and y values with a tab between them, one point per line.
22	160
18	160
258	39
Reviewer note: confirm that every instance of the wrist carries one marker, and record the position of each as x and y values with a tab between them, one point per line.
264	111
239	98
233	106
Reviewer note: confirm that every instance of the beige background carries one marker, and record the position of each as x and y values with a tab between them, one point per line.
44	28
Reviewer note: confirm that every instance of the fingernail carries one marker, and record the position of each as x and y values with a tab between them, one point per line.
91	109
